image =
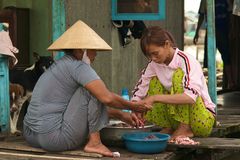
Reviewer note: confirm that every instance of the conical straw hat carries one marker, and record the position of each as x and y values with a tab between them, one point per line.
79	36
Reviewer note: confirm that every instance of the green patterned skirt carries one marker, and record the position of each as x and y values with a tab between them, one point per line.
170	115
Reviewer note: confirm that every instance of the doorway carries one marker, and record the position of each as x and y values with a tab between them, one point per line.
18	21
191	17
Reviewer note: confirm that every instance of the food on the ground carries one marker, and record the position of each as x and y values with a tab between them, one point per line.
184	141
116	154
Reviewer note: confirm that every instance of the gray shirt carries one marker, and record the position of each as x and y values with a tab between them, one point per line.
53	92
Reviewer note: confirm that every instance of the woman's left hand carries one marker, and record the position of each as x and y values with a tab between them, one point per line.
132	119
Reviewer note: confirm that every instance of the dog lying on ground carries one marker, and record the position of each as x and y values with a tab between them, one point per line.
16	91
16	101
22	84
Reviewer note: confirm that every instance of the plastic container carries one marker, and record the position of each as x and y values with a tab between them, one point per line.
139	142
125	96
112	134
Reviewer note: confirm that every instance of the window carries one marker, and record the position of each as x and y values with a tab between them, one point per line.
138	9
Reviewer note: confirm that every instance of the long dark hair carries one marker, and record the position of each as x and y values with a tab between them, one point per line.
157	36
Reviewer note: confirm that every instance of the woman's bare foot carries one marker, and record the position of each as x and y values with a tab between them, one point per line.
167	131
95	145
98	148
183	130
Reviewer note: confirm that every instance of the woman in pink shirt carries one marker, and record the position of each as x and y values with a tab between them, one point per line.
173	82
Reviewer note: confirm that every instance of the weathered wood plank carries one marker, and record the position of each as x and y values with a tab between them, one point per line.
126	155
27	156
213	143
223	132
11	155
229	111
21	147
227	117
228	124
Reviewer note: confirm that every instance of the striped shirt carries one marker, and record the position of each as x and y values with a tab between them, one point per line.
194	82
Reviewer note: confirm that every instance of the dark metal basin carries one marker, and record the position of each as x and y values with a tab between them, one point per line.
112	135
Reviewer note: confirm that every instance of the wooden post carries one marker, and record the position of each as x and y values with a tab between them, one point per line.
4	95
58	21
211	50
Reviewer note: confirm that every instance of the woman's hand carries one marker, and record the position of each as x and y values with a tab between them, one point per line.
149	101
131	119
140	106
140	116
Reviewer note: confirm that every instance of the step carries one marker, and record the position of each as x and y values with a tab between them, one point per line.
212	143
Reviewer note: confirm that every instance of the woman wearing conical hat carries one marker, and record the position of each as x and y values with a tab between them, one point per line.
68	104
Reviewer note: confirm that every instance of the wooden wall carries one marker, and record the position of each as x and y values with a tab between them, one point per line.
235	48
121	67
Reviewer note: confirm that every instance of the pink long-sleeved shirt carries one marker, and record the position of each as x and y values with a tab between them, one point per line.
194	82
